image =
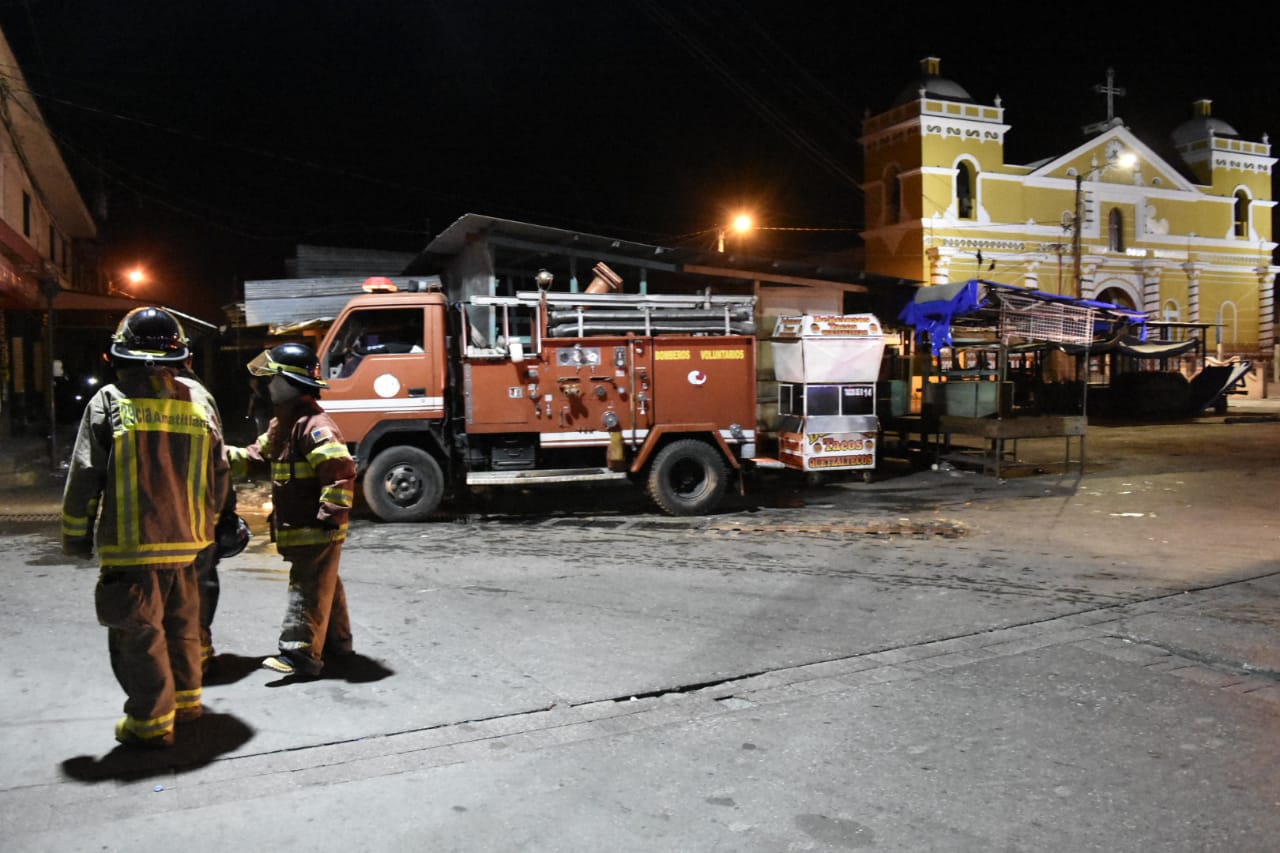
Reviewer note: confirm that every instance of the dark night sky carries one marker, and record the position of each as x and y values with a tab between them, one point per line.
224	133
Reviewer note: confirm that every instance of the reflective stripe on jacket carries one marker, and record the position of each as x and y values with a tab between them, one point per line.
312	475
147	473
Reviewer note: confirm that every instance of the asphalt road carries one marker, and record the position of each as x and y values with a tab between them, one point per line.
936	660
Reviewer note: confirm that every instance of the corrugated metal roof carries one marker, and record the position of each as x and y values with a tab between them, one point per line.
280	301
498	232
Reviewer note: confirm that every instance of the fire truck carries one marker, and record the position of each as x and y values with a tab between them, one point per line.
542	388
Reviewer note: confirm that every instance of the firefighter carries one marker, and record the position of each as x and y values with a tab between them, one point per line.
231	536
146	480
312	477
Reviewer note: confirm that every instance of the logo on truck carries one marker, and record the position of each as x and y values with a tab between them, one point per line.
386	385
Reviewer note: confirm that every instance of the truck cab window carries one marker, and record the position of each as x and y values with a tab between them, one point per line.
375	332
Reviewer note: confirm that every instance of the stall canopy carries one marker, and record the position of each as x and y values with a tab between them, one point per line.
1135	347
936	311
933	310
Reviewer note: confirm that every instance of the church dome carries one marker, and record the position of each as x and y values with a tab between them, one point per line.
934	86
1201	126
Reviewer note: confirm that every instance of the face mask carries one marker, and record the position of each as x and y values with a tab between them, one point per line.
282	390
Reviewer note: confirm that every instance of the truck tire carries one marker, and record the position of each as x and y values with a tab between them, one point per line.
403	484
688	477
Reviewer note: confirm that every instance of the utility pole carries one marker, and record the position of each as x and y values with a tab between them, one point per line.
1076	221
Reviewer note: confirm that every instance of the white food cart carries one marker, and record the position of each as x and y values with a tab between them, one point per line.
827	366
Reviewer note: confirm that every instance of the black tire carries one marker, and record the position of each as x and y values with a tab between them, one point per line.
688	477
403	484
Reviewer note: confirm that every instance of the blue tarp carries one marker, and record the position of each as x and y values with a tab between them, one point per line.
934	309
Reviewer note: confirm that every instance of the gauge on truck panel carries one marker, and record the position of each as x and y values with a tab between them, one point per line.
578	356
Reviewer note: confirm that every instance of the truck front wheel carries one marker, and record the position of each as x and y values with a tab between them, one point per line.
688	477
403	484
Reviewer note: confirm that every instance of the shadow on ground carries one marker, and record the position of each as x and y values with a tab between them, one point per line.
199	743
353	669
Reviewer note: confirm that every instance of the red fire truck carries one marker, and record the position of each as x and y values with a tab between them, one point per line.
542	388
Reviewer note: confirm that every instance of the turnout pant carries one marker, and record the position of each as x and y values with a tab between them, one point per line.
315	618
207	578
153	638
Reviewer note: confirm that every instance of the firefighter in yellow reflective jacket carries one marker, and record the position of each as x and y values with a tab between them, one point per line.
312	480
146	481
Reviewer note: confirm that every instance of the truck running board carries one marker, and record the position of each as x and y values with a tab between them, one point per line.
543	476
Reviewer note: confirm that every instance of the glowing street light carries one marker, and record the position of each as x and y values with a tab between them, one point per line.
741	225
134	277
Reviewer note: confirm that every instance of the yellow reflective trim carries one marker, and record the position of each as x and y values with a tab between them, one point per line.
283	471
318	459
337	495
133	554
329	450
294	537
75	527
238	457
187	698
154	727
197	479
126	449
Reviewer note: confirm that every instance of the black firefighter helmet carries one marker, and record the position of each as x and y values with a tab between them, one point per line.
231	535
149	335
296	362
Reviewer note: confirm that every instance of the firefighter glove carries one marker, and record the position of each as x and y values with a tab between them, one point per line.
76	547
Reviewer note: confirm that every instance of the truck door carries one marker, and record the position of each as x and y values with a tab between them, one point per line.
381	364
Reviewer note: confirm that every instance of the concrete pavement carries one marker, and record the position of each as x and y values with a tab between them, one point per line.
940	661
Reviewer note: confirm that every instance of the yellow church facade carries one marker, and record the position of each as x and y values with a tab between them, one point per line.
1107	219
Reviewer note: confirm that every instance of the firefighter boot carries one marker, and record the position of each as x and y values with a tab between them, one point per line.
127	734
293	664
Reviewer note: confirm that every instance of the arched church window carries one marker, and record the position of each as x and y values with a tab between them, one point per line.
965	183
1115	230
1242	214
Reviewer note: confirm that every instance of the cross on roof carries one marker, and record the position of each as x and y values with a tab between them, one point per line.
1111	91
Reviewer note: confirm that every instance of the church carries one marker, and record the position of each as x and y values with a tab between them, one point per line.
1187	242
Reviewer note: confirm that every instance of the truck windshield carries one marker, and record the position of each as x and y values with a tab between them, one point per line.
373	332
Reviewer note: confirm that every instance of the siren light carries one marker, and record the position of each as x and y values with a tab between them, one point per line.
379	284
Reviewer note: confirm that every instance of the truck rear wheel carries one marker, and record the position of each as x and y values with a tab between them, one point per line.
403	484
688	477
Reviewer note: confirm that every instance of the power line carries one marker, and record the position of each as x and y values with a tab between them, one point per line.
734	81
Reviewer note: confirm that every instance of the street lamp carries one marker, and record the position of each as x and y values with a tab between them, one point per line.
741	225
135	276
